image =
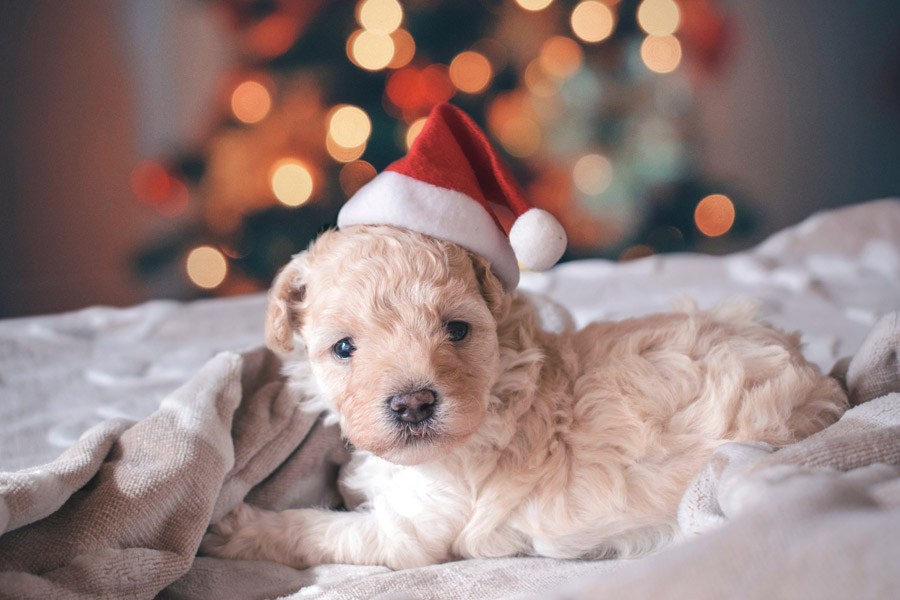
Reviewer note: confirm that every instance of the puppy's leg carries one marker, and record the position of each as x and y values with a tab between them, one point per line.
305	537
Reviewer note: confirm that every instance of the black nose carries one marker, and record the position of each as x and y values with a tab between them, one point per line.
413	407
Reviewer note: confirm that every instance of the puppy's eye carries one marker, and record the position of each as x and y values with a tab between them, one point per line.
457	330
344	348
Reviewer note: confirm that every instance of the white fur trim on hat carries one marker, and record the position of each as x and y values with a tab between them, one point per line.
537	239
392	198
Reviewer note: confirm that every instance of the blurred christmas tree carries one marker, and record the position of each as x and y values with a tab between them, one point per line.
590	100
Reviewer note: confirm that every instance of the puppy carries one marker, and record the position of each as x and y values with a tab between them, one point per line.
478	434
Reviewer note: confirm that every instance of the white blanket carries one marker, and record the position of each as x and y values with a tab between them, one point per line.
830	277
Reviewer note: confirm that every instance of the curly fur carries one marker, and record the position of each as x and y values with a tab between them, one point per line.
572	444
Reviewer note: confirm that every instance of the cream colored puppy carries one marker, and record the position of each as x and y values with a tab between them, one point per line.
477	434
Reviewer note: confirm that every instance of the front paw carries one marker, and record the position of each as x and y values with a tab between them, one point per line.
251	533
235	535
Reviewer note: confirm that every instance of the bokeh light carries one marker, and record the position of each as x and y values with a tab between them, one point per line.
414	130
404	49
150	182
661	53
592	21
560	57
206	267
342	153
534	5
370	50
538	82
349	126
714	215
592	174
658	17
250	102
291	181
521	136
470	72
354	175
381	16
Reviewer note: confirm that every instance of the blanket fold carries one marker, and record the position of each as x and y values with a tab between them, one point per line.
121	513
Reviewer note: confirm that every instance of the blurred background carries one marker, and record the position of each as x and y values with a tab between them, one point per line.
186	148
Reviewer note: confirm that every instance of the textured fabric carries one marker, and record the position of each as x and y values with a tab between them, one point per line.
120	513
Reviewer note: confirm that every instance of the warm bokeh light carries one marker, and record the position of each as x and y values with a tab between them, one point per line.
661	53
470	72
404	49
349	126
291	182
560	57
250	102
520	136
150	182
417	91
538	82
593	21
592	174
342	153
370	50
382	16
658	17
354	175
206	267
714	215
414	130
534	5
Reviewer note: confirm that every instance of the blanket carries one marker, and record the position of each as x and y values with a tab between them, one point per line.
121	513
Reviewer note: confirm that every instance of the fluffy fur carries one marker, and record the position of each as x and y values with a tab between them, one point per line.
578	444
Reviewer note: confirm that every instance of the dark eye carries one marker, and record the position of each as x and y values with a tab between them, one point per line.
344	348
457	330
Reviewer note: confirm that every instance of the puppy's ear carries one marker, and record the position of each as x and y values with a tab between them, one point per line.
491	288
283	312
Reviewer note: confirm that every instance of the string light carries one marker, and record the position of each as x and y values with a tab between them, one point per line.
370	50
520	136
658	17
470	72
404	49
381	16
150	182
250	102
592	21
661	53
349	126
341	153
560	57
592	174
206	267
354	175
714	215
534	5
291	181
414	130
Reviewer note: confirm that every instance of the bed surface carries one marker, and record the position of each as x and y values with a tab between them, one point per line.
830	277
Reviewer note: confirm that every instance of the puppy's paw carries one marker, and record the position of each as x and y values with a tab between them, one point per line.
246	533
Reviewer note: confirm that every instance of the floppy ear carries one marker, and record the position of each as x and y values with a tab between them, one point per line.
491	288
283	312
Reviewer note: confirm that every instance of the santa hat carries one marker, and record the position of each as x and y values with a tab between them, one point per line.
444	187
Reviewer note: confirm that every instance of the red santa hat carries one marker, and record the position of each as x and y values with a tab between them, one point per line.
444	187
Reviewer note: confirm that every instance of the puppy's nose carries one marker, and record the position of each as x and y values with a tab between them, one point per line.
413	407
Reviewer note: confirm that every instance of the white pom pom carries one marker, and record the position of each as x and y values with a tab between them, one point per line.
537	239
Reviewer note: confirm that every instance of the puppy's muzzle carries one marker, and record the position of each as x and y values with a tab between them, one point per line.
413	407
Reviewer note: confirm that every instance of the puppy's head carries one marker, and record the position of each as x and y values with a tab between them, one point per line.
401	332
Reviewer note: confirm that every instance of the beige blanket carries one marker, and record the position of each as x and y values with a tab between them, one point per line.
120	515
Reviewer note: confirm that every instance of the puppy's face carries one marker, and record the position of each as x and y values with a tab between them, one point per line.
401	332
